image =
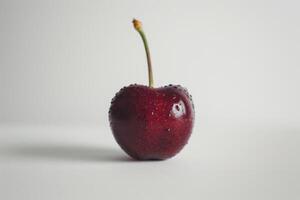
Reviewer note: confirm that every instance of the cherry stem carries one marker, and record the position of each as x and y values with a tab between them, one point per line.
138	26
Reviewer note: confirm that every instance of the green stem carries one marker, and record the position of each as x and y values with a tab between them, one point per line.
138	27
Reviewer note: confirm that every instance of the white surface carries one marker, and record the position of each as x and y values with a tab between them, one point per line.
85	163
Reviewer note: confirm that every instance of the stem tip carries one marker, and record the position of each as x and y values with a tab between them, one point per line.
137	24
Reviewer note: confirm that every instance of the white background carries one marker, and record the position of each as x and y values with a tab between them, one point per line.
61	62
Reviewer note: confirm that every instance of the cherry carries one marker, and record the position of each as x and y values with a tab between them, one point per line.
151	123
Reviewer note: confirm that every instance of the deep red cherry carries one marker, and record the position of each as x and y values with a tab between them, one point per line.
152	123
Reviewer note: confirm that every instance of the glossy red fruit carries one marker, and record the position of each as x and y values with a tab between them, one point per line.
152	123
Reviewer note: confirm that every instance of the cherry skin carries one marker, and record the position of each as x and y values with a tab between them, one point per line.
152	123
